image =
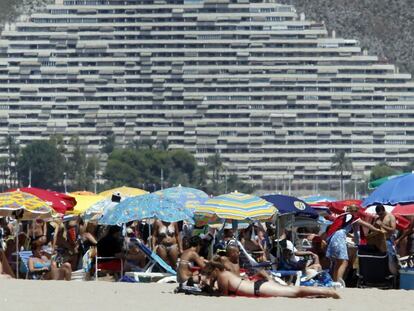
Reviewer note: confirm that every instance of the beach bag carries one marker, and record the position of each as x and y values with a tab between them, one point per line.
377	239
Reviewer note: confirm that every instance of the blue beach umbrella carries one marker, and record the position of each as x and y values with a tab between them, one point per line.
146	206
189	197
397	190
291	205
97	209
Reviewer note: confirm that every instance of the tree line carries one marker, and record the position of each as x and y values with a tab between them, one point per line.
148	165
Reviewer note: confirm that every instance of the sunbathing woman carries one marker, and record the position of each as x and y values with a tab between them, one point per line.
166	241
230	284
189	257
40	263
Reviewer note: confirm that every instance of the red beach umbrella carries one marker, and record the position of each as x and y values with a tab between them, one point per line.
404	209
338	207
60	202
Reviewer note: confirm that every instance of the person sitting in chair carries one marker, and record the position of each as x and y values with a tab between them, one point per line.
40	263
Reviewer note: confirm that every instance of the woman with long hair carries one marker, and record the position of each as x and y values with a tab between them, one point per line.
230	284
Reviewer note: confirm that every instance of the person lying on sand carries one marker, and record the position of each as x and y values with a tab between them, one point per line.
185	275
231	263
229	284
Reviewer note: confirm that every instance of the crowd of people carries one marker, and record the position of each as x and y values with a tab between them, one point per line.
215	259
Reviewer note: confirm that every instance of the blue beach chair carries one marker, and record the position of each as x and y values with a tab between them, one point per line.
168	274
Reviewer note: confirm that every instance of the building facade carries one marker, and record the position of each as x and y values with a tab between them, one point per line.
272	92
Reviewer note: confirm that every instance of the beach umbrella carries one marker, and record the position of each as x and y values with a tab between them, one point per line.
97	209
123	191
82	192
84	202
60	202
339	207
394	191
147	206
189	197
315	199
378	182
24	206
404	210
291	205
237	206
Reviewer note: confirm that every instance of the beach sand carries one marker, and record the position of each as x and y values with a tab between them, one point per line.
102	295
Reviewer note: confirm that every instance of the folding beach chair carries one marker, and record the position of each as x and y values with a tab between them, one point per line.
250	263
373	268
166	274
23	257
108	264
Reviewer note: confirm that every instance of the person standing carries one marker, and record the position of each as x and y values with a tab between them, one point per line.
337	249
386	222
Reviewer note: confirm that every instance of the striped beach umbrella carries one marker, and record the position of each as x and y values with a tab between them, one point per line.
26	205
237	206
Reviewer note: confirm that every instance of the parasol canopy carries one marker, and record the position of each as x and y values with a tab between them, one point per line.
147	206
237	206
60	202
14	203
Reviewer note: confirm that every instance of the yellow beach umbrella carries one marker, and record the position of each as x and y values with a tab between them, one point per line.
82	192
123	191
84	202
24	206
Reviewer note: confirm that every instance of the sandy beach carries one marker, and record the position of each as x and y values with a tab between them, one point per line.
58	295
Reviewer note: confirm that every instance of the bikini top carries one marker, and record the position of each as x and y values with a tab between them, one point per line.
40	265
167	230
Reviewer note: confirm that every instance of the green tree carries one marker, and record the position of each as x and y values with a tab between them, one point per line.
341	164
143	166
109	143
12	156
44	161
81	169
382	170
215	166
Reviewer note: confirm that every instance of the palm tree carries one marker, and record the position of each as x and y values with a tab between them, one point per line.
341	164
215	164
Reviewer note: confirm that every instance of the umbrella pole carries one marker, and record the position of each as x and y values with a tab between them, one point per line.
17	249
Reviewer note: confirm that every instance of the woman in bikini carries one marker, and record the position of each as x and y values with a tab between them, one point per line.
230	284
42	264
166	241
189	258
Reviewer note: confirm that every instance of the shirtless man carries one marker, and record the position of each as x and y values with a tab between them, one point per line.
189	257
387	223
231	263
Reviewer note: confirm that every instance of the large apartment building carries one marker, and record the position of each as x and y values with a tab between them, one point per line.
271	91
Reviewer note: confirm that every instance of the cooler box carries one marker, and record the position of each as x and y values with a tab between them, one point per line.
407	278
